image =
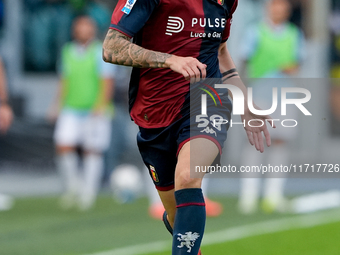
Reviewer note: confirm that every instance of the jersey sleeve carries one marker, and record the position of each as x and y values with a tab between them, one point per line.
226	31
130	16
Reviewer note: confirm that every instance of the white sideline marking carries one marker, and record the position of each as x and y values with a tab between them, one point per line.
237	233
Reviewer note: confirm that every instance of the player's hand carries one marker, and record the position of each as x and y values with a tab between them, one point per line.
258	126
6	118
189	67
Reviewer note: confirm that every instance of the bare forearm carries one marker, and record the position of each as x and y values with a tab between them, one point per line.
228	70
224	58
118	49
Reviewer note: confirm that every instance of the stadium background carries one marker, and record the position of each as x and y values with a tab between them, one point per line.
32	32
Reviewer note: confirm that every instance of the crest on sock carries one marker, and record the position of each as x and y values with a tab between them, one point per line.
187	240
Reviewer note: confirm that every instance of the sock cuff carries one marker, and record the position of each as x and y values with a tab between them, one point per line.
189	197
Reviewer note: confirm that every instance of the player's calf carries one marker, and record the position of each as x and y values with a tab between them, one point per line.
166	223
189	221
169	228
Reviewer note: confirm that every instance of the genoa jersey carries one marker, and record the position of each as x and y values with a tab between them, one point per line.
191	28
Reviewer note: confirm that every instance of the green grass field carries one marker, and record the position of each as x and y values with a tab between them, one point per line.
38	227
319	240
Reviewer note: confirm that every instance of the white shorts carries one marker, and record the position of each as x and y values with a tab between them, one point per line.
81	128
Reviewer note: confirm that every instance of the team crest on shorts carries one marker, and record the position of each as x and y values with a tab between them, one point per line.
221	2
153	173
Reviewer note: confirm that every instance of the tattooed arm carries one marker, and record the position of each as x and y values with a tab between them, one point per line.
117	49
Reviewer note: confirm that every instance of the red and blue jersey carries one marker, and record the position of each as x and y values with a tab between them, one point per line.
191	28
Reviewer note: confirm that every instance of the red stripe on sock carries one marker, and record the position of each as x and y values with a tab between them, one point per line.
189	204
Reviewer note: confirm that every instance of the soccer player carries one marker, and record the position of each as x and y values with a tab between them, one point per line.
274	36
6	114
85	115
177	44
6	118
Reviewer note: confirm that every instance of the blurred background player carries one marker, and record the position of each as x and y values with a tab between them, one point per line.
84	99
271	49
6	118
335	70
6	114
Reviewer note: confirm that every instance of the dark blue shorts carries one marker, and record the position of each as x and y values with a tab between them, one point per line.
159	147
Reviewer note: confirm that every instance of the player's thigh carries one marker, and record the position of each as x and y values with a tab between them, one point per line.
66	132
197	152
158	149
97	133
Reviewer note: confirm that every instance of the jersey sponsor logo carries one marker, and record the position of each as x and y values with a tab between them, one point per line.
128	6
208	22
153	173
174	25
187	240
221	2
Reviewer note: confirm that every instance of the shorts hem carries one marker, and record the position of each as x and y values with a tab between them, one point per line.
167	188
199	136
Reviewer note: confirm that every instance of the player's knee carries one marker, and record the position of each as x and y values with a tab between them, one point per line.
185	181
